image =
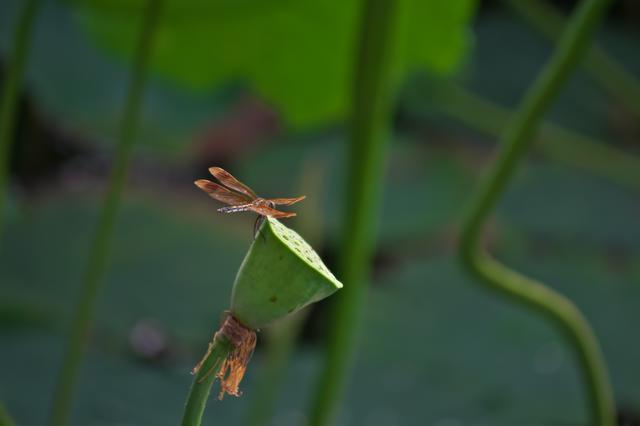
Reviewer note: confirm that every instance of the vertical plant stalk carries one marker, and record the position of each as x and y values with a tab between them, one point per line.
556	142
373	88
202	382
279	348
98	255
523	289
10	90
607	71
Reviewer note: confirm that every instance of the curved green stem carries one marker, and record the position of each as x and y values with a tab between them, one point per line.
514	144
10	91
556	142
201	386
98	256
373	91
607	71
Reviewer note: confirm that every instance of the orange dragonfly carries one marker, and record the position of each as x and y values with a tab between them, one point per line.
240	197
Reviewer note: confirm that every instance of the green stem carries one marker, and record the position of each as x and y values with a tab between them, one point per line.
98	256
514	144
10	91
201	386
5	418
607	71
555	141
372	98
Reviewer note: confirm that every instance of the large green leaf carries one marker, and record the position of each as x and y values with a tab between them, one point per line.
296	54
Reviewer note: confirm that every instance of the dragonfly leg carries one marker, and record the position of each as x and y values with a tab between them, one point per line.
256	226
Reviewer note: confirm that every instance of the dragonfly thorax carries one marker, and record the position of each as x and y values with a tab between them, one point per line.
262	202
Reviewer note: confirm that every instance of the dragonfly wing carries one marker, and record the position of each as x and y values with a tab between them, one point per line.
221	193
286	201
268	211
229	181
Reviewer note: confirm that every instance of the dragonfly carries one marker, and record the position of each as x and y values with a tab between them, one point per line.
241	198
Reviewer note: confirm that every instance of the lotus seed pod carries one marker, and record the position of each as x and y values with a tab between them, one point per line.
280	275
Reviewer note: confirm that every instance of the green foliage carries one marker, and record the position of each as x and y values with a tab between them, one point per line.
166	252
207	44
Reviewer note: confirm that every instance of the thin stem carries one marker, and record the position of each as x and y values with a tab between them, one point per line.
202	382
607	71
514	144
98	256
10	91
556	142
372	97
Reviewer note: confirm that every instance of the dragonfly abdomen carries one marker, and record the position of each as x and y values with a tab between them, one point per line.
233	209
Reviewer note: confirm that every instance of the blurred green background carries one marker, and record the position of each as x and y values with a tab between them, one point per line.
261	88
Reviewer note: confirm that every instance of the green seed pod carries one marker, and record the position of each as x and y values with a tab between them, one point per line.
280	275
